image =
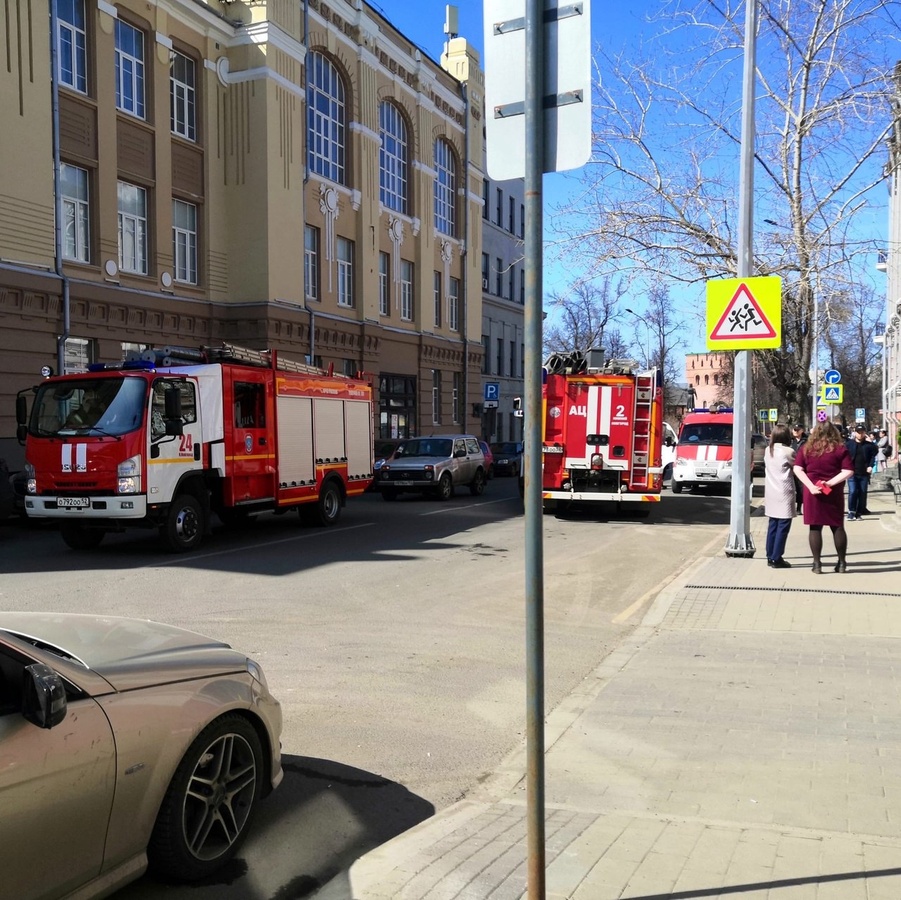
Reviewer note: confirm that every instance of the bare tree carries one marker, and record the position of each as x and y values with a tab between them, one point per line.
666	332
661	195
579	318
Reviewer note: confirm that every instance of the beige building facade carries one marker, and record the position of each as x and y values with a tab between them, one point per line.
295	176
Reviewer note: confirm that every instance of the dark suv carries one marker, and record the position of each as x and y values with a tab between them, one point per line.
435	464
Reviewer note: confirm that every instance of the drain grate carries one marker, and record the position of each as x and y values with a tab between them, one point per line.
719	587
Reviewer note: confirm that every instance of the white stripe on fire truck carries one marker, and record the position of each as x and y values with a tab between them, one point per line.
66	461
81	457
604	423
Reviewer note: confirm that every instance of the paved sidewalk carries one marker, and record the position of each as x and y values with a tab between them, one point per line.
744	743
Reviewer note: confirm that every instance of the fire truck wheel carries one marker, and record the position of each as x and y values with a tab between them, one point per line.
677	487
76	536
184	526
477	485
328	509
445	489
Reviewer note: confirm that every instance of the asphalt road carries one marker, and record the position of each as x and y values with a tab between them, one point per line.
394	640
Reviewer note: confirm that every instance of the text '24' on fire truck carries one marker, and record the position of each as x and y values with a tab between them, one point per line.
165	440
603	433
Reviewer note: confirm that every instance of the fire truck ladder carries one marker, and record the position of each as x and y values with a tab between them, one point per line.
641	447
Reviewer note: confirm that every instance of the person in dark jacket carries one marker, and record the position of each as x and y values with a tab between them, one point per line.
863	454
799	438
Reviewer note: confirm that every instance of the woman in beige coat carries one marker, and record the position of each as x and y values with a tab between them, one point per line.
779	494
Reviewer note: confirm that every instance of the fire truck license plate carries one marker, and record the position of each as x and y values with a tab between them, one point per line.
73	502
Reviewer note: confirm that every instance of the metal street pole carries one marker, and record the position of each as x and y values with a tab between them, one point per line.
740	542
815	361
534	573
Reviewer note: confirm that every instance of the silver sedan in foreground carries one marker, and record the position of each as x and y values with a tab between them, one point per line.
124	742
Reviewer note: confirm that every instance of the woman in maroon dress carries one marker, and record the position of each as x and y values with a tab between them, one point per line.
823	465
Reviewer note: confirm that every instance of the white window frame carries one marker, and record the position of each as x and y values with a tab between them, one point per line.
326	118
184	241
455	399
392	158
132	207
311	262
453	304
384	283
406	290
76	212
345	264
183	97
436	291
130	82
445	188
72	46
436	396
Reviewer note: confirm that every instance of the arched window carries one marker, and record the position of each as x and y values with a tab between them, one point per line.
706	379
445	188
392	158
325	119
697	379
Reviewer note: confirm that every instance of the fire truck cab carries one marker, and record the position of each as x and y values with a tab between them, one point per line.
704	450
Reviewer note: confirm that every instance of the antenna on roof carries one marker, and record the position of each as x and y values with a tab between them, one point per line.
451	21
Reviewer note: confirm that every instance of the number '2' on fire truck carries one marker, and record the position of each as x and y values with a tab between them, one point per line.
603	432
165	440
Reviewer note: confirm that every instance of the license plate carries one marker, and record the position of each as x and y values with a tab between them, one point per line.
404	483
73	502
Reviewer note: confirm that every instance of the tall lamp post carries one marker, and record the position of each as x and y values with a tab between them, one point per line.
647	337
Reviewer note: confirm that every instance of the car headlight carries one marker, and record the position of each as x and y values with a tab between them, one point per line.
129	472
255	671
31	485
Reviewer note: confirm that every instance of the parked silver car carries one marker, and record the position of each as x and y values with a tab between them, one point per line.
436	464
123	741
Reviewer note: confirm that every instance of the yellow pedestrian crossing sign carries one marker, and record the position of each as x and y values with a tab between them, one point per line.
832	393
744	313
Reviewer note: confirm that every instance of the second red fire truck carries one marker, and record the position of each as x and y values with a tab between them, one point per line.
603	433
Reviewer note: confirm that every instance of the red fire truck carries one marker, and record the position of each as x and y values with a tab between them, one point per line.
603	432
165	440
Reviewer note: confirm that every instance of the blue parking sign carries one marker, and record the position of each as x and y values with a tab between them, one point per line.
492	391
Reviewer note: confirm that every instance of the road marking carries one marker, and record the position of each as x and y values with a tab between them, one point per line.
437	512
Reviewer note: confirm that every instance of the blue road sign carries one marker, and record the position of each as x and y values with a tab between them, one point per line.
492	390
832	376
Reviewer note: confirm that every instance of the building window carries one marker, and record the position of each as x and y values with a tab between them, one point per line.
72	45
499	278
76	213
458	393
182	96
499	368
512	280
384	284
499	208
436	397
453	304
184	239
486	269
392	158
522	362
132	228
345	272
436	293
78	354
486	354
406	290
311	262
486	192
522	220
522	286
325	119
512	361
445	188
511	225
129	69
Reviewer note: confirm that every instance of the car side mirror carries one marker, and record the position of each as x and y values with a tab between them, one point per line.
44	696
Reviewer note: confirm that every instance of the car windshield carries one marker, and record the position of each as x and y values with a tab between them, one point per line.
425	447
384	448
505	447
706	433
89	406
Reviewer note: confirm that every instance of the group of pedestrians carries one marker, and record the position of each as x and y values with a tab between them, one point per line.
808	473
